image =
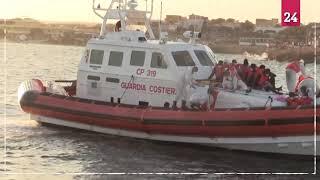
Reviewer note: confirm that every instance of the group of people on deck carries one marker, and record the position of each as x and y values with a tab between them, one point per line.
233	76
236	76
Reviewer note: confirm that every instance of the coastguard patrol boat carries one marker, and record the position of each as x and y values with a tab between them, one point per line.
127	83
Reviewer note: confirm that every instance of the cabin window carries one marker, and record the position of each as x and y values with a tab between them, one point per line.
113	80
94	78
142	39
115	58
157	61
203	57
137	58
143	103
96	56
183	58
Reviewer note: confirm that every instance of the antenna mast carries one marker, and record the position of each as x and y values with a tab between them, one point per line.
160	22
125	11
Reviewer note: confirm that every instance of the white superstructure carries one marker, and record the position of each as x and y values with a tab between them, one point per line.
125	66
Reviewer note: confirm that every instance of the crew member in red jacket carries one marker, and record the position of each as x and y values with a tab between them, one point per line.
236	81
291	74
252	74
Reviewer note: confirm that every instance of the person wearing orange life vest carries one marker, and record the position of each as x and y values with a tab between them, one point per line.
251	75
244	70
236	80
291	74
265	84
259	73
272	78
264	80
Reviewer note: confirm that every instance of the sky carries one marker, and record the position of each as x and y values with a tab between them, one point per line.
80	10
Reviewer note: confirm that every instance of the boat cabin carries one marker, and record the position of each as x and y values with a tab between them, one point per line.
126	67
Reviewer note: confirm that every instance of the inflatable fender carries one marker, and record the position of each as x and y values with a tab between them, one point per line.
30	85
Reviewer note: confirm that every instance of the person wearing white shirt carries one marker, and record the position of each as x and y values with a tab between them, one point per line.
185	84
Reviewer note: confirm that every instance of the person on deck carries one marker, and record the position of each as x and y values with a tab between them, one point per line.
291	74
227	81
252	75
218	72
244	70
259	74
309	83
236	81
305	96
264	80
265	84
272	77
184	85
202	99
302	99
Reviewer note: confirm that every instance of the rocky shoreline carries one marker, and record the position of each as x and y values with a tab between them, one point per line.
279	54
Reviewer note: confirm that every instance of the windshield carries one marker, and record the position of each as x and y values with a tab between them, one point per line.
203	57
183	58
211	55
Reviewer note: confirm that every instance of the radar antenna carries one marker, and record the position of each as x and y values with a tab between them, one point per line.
125	11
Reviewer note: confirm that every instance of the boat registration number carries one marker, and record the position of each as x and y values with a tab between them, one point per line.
149	73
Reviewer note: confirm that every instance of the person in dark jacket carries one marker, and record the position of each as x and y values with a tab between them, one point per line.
252	75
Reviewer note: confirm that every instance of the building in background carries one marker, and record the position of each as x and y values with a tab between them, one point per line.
174	19
267	23
195	22
266	26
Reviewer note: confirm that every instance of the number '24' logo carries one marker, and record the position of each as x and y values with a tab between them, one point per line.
290	18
